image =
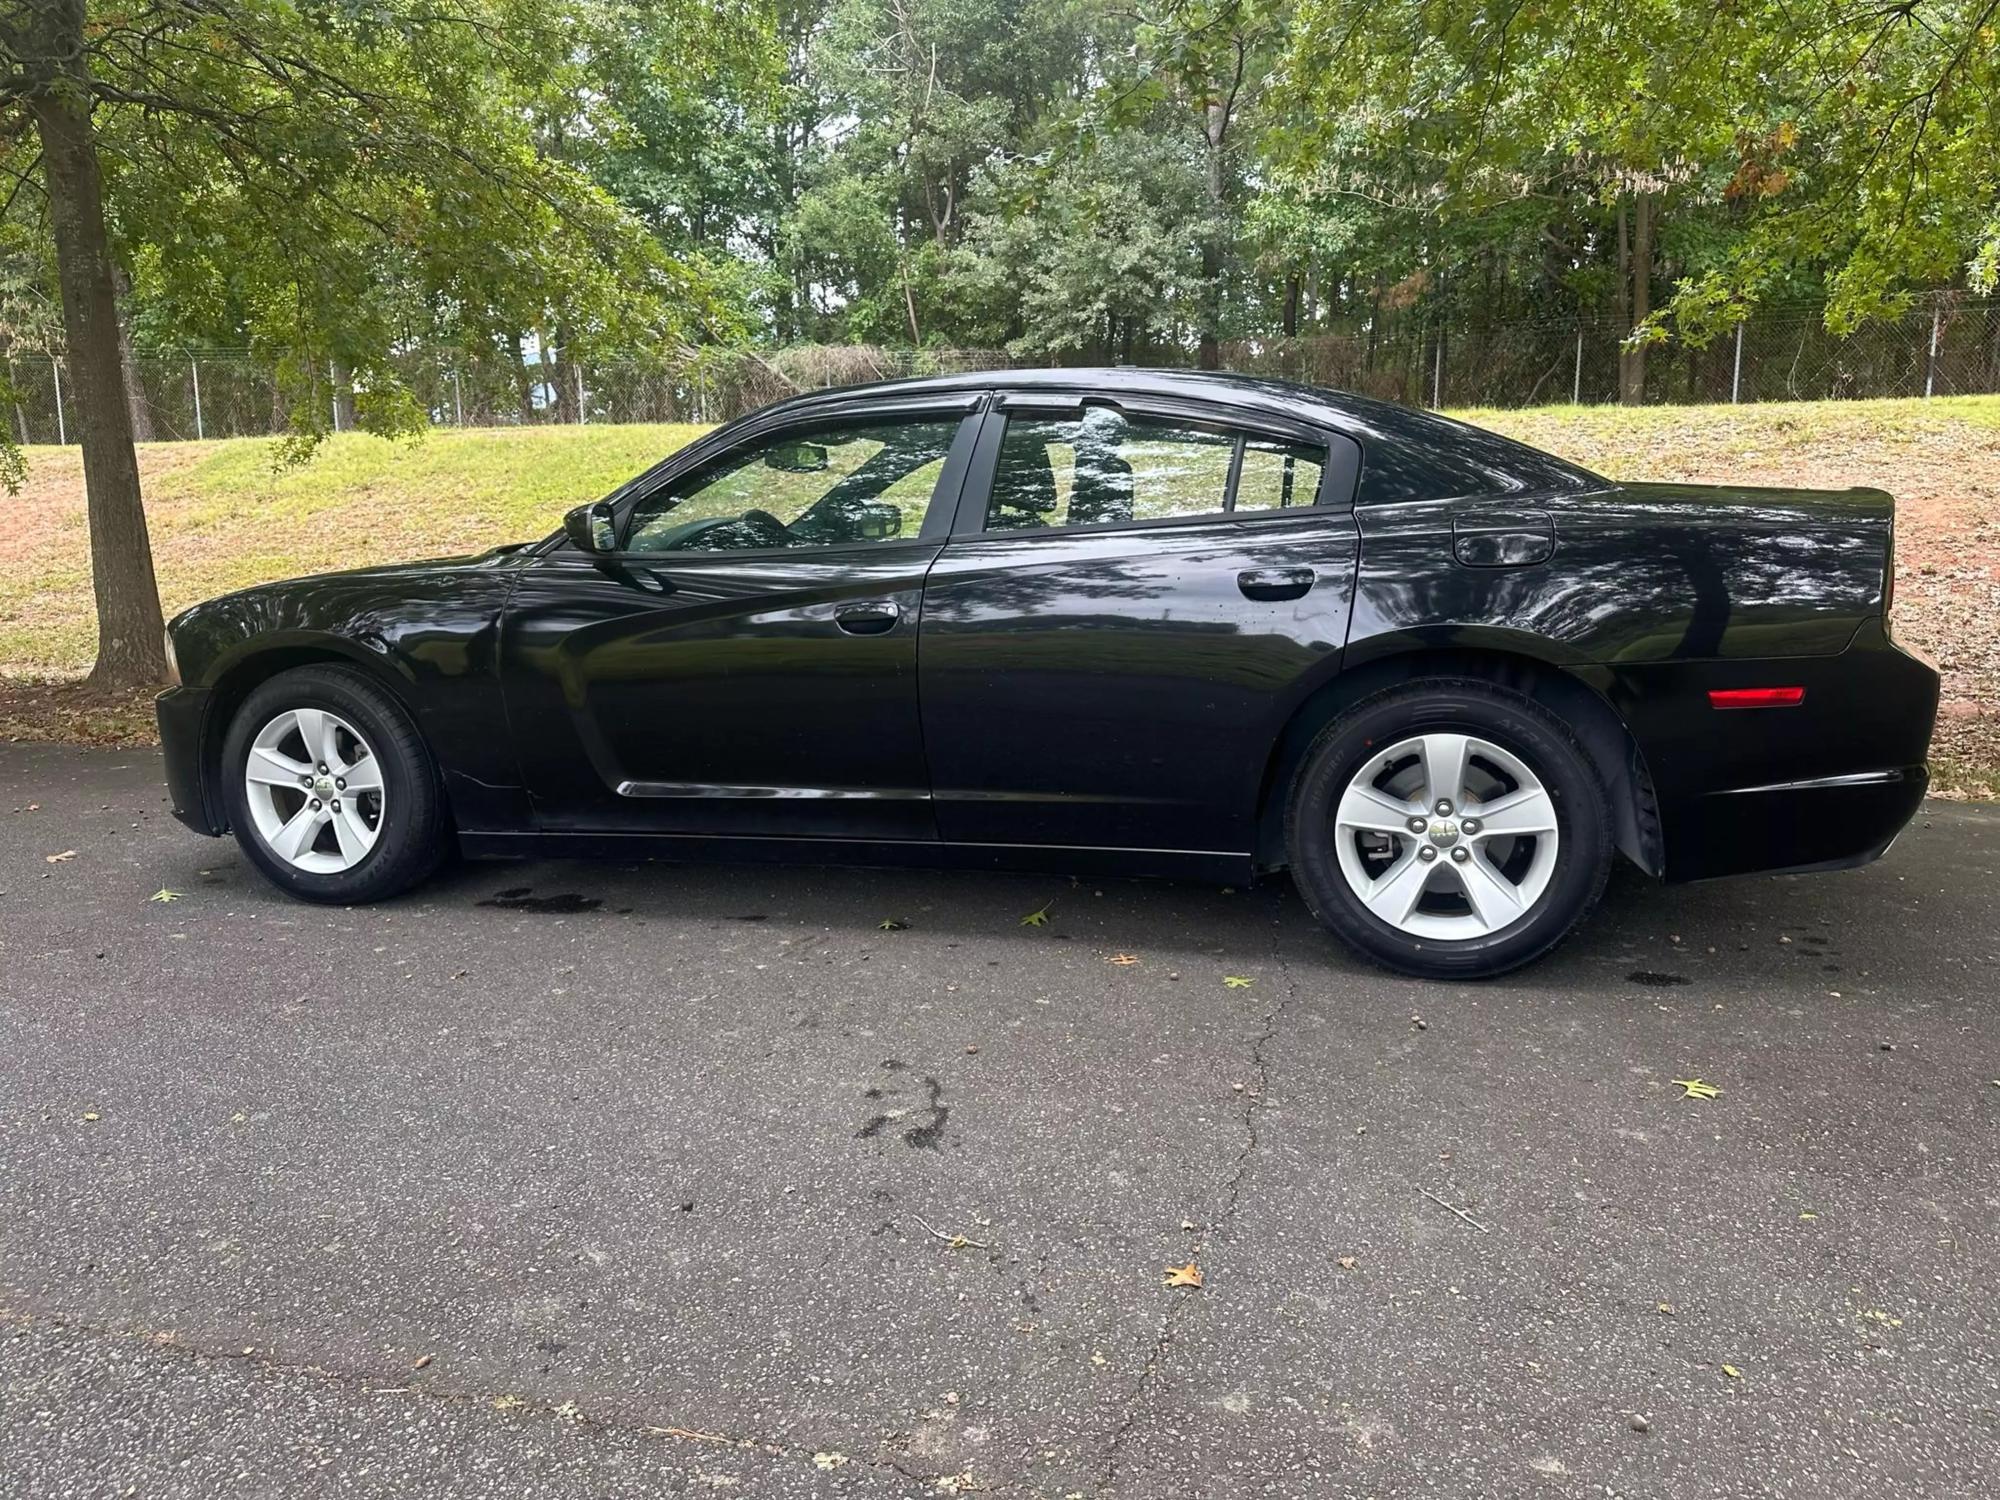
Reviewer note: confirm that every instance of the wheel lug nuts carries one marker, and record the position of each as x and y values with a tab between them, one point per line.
1444	805
315	804
341	782
322	768
1416	825
1470	825
1427	853
1461	854
305	781
336	804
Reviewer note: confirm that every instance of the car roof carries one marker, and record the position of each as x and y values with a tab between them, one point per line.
1410	453
1282	397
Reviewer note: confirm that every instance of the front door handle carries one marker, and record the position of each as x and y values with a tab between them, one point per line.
1275	583
872	618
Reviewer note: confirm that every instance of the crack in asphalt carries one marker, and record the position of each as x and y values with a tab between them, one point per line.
506	1403
1231	1199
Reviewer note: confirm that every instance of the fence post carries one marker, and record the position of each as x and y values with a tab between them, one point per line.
62	430
1576	385
582	416
1736	375
333	393
458	397
1437	375
1930	361
194	373
20	417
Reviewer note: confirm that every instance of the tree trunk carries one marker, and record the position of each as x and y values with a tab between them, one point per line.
135	390
130	651
342	380
522	383
1210	331
1633	391
1622	296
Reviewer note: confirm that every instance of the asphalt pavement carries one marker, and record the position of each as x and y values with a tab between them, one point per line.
559	1179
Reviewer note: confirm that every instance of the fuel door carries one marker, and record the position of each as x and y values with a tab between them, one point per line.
1503	538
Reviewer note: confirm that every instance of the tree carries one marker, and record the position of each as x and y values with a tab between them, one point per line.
351	173
1828	144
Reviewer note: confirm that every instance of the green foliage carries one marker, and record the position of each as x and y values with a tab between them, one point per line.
327	182
1829	146
330	181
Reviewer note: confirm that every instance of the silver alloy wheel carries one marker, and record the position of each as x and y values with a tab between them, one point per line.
1446	836
315	790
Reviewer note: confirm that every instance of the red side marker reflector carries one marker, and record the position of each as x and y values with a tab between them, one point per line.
1765	697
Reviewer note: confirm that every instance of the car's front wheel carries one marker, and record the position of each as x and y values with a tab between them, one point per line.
1449	829
332	792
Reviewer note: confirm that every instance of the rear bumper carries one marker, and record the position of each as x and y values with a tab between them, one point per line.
183	715
1826	784
1826	823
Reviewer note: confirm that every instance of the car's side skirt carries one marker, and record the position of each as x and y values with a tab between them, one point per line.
1227	867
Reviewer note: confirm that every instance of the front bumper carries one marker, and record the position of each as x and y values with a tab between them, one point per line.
183	715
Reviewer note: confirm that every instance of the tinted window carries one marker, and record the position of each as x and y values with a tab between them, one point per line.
1278	475
1102	468
802	489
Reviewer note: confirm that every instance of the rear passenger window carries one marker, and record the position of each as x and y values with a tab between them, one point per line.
1102	468
1277	476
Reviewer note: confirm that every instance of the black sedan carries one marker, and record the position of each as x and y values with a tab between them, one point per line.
1120	620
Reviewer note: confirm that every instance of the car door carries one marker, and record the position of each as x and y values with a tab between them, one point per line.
1132	600
745	662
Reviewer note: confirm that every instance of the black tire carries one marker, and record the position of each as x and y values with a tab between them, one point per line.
1518	725
414	833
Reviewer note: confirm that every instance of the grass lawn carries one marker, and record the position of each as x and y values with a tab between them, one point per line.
221	519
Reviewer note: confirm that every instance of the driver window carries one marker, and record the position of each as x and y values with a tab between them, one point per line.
802	488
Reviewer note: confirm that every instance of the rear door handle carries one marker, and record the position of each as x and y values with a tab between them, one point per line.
872	618
1275	583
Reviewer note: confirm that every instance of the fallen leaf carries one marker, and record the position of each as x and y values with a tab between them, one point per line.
506	1403
1123	959
164	895
1187	1275
1346	1262
422	1360
56	859
1732	1372
1038	918
93	1115
829	1461
1667	1308
1694	1088
893	924
1237	981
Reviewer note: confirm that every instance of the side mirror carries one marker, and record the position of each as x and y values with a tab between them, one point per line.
796	458
878	519
591	528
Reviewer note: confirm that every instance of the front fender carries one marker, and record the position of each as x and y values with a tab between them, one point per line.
429	634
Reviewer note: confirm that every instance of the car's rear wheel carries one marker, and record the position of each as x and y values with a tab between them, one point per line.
1449	828
332	792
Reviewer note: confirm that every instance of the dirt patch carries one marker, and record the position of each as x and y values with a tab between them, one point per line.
34	709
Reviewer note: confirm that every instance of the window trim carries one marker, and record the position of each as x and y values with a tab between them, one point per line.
1340	472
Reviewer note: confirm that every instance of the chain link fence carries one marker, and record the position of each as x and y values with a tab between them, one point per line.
1777	355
